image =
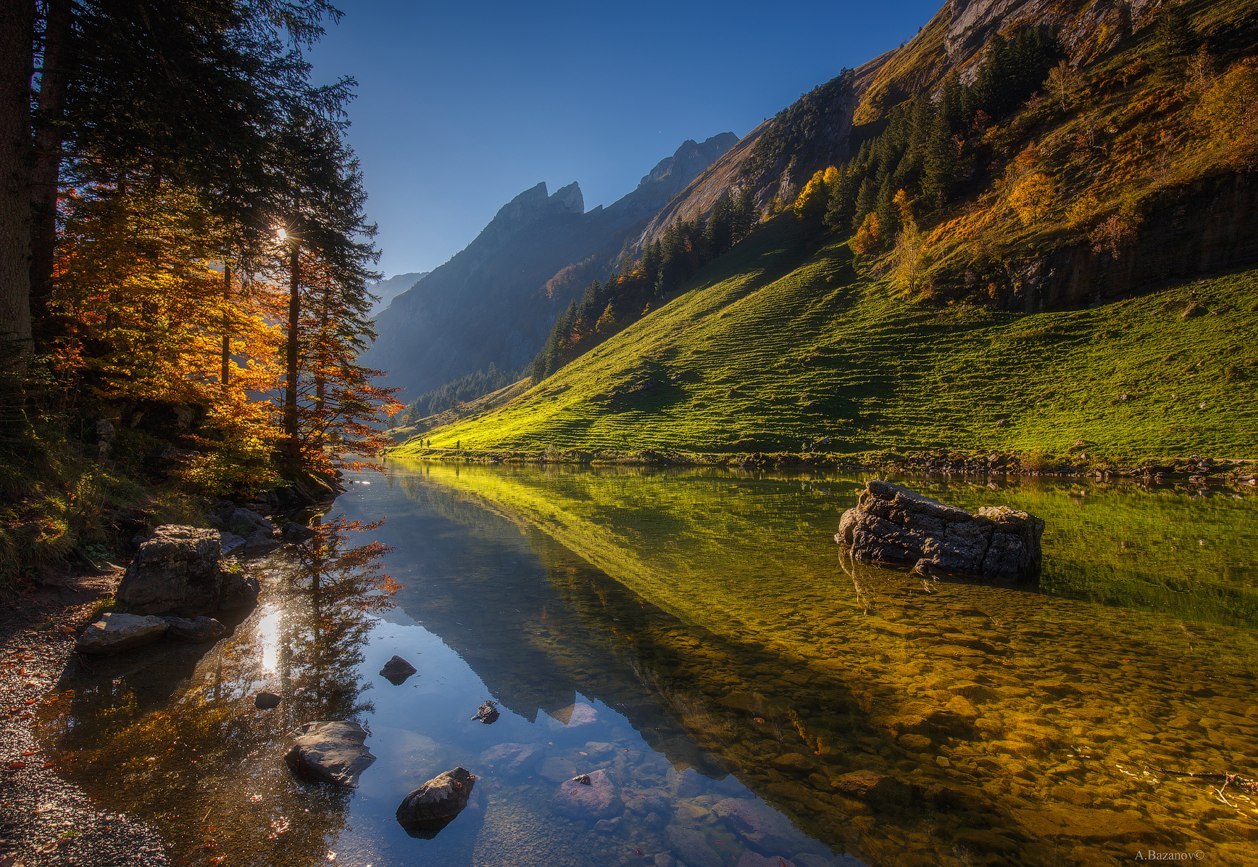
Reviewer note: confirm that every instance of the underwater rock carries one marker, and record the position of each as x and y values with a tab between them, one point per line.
759	826
114	633
511	758
397	670
329	751
432	806
892	525
589	796
873	788
487	712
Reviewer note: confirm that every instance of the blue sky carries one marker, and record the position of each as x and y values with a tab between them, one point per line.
462	105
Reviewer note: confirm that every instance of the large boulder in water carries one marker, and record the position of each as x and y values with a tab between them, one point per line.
329	751
892	525
428	809
179	572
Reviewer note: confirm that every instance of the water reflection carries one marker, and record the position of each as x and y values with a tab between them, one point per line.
753	697
170	732
887	715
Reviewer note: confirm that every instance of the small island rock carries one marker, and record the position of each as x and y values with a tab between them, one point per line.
397	670
892	525
435	804
487	712
196	629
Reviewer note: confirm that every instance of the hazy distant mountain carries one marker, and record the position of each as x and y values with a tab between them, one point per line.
495	301
391	287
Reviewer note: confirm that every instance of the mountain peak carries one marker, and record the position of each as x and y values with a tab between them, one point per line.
689	155
570	198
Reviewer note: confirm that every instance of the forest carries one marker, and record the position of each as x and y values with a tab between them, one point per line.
185	258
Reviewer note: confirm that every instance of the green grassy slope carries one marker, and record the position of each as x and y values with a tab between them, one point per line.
775	347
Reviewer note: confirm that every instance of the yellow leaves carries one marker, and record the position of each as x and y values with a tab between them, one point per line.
811	201
1033	197
1228	111
868	235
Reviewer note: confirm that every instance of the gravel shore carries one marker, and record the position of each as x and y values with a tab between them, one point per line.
43	818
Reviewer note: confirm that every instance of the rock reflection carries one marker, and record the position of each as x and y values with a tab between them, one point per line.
176	740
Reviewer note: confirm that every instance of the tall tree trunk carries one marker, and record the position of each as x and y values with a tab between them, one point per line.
17	29
291	358
224	375
46	170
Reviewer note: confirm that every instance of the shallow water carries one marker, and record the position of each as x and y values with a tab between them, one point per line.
756	697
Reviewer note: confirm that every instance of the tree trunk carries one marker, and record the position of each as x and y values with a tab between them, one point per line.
46	169
224	375
291	358
17	27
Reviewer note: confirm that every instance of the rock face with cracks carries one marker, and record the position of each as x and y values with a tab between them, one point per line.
892	525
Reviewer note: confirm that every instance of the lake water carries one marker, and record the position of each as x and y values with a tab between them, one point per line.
755	697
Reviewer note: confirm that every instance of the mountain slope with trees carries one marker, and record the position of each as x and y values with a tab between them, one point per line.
1024	157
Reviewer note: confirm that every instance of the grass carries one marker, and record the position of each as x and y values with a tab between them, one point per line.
775	348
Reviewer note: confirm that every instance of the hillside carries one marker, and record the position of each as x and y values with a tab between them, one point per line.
494	302
777	347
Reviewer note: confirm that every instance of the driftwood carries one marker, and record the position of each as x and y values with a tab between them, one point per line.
1220	780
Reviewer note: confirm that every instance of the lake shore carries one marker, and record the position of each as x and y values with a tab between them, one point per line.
1194	471
44	818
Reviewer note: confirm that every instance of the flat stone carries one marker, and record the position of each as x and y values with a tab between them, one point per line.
589	796
230	543
1082	823
329	751
115	632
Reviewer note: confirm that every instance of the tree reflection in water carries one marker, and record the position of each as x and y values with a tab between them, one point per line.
170	732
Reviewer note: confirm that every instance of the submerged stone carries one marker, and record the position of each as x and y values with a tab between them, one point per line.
589	796
892	525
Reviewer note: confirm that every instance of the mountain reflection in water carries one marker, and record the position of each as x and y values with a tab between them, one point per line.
755	697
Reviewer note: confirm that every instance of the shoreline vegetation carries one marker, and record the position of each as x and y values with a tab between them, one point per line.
1241	474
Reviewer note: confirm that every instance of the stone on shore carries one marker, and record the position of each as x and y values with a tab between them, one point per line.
115	632
329	751
177	571
432	806
891	525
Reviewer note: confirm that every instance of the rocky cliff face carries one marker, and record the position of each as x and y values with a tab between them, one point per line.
824	126
495	301
388	289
